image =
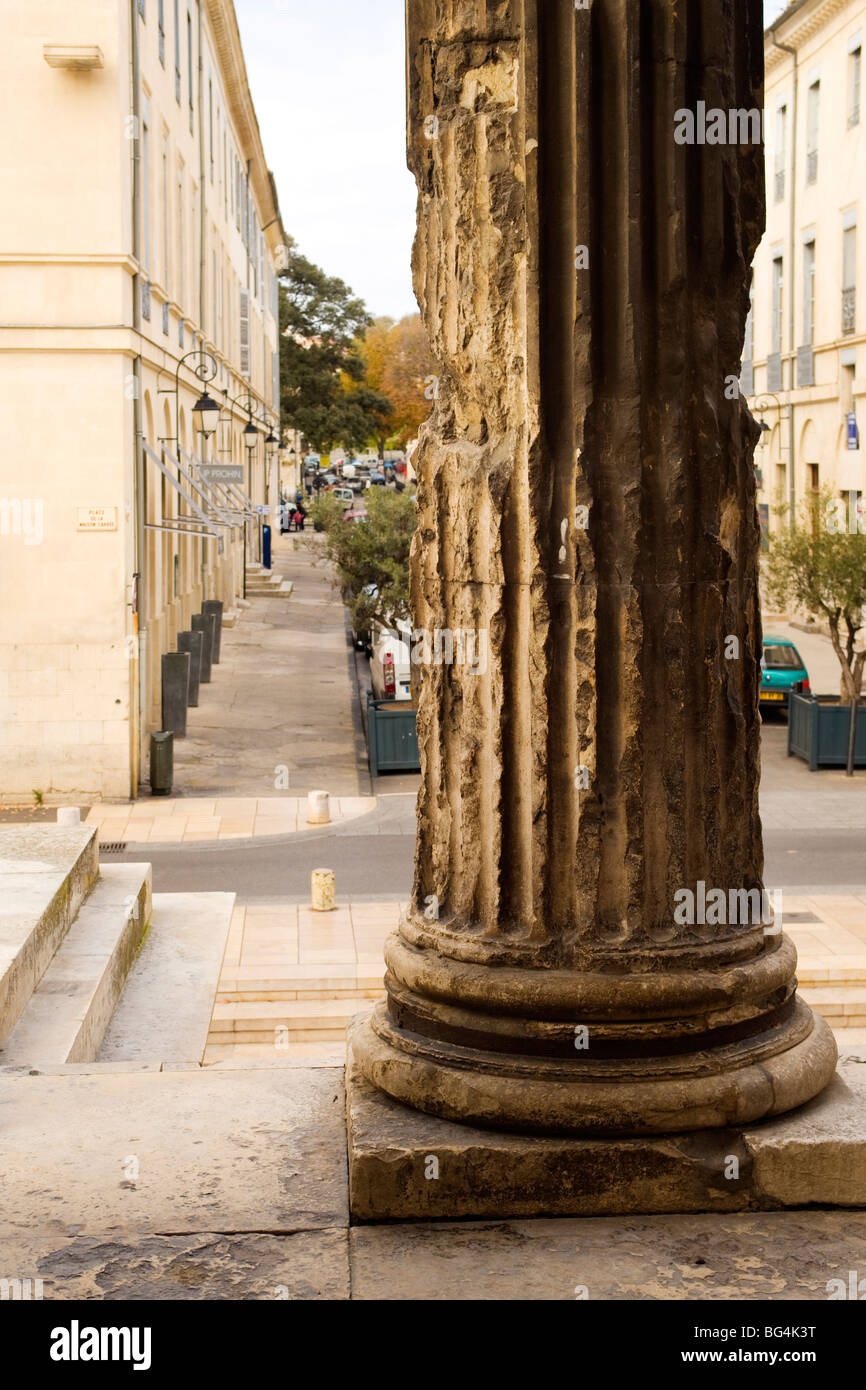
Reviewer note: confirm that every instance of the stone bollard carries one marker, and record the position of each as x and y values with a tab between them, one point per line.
318	809
322	890
68	815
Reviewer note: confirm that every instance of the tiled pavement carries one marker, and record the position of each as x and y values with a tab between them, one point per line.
173	820
292	977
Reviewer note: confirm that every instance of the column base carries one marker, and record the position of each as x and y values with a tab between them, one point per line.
735	1083
405	1165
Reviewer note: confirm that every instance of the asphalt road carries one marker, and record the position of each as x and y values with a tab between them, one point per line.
378	865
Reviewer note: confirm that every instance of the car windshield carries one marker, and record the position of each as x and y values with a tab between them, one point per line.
779	658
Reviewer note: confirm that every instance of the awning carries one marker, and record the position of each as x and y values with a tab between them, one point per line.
235	501
205	490
199	524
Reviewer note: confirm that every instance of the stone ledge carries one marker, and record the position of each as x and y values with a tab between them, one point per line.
814	1156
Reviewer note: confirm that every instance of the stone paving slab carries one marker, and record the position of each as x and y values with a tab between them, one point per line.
750	1255
170	1152
307	1265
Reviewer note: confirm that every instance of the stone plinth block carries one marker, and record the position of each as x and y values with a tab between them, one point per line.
407	1165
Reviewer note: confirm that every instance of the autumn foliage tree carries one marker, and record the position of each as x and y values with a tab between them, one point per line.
398	364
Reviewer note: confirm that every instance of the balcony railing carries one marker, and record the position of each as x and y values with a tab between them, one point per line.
849	310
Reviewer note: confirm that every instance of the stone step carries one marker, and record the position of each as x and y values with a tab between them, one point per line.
842	1006
250	984
69	1011
166	1007
832	970
258	587
259	1021
46	872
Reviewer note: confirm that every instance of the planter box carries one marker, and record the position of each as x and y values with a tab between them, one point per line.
392	738
818	730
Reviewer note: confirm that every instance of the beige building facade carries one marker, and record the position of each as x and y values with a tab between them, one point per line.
138	263
804	369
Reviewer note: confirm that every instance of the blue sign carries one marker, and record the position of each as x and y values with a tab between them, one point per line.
853	432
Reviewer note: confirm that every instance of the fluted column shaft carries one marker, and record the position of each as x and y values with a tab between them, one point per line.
587	519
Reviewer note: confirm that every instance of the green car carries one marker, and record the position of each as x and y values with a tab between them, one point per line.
782	670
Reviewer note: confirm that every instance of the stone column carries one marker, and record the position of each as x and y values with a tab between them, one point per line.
587	516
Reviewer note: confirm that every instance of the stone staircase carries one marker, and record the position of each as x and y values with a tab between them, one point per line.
263	582
308	1004
69	933
73	934
838	992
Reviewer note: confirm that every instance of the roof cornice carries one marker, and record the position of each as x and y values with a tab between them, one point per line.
227	43
797	24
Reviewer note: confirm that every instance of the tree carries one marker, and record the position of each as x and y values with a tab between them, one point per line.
819	565
399	363
372	558
322	389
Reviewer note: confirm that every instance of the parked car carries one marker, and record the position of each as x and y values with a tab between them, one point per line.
344	494
354	515
390	661
782	670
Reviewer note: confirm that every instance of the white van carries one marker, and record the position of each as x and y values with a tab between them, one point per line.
390	661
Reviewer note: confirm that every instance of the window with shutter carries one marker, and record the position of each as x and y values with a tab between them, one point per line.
781	144
849	280
245	333
812	114
854	76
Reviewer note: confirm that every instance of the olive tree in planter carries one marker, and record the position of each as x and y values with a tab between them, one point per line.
818	565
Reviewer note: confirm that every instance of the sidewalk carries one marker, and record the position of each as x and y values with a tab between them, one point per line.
169	820
279	716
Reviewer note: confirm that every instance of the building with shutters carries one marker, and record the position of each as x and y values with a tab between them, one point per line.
804	361
138	266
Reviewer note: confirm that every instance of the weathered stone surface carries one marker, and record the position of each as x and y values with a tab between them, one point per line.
171	1152
407	1165
587	515
817	1155
248	1266
166	1007
46	872
751	1256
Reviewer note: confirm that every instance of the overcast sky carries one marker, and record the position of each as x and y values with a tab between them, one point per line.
327	79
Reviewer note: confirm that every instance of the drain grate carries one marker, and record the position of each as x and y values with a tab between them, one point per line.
113	847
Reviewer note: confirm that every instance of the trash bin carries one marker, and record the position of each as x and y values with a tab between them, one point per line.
161	763
266	547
